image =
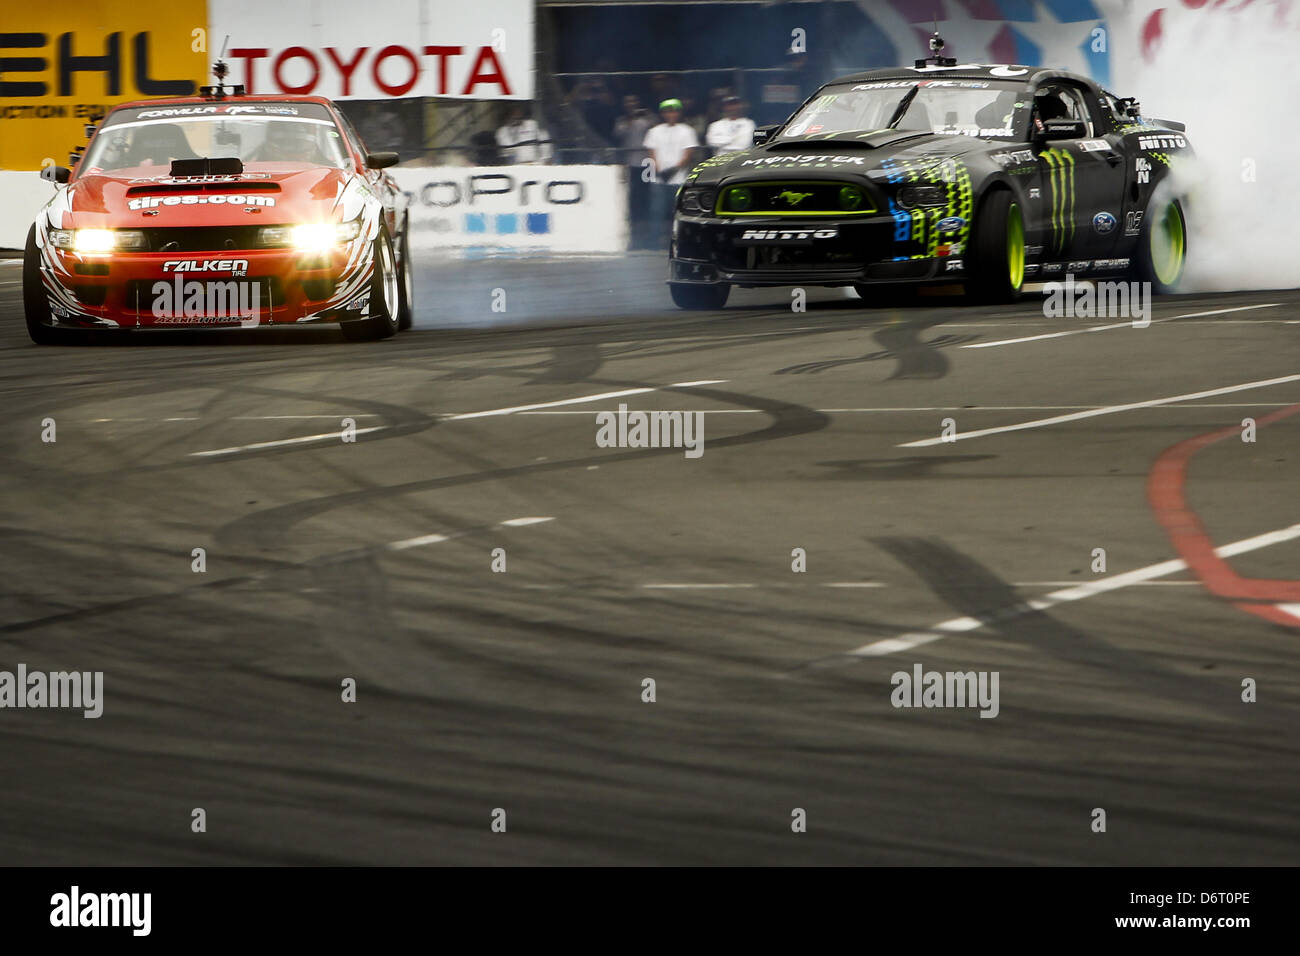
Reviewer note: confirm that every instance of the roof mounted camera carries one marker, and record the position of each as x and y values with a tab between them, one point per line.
936	58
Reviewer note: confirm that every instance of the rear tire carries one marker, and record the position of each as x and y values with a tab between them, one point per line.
699	297
384	295
36	307
1162	247
997	250
405	284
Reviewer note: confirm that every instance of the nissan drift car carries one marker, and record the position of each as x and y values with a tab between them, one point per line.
221	210
985	175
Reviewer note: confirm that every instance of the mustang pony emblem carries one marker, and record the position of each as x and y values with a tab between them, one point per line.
792	198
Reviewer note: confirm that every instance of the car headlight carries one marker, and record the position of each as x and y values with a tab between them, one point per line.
929	194
98	241
698	199
739	199
310	237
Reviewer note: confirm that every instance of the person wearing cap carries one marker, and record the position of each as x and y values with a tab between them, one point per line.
734	132
671	145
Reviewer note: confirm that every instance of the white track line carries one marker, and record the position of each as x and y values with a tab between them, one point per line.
1094	412
1078	592
407	543
578	401
301	440
1117	325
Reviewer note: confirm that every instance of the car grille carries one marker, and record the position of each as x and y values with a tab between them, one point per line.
815	198
202	238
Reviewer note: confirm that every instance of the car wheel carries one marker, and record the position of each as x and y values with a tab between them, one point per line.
384	296
35	304
405	285
1162	247
699	297
998	250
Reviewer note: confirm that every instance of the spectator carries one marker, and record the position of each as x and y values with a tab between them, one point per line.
734	132
671	144
522	141
599	110
629	137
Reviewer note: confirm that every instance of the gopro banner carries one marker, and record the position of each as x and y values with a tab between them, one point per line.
381	49
562	209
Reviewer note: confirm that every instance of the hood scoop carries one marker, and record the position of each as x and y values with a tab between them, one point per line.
207	166
871	140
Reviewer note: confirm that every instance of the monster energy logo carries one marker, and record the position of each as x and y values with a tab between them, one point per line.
792	198
1060	166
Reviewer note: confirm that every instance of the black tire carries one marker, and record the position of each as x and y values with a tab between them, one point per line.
405	283
699	297
997	271
36	306
382	320
1162	247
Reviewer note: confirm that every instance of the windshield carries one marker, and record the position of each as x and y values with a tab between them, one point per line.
982	108
145	140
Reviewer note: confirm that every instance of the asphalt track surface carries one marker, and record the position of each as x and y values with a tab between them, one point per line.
522	690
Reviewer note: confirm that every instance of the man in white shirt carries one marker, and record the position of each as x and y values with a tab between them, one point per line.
734	132
672	146
522	141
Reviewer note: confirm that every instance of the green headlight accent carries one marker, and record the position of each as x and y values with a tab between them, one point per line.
739	199
850	197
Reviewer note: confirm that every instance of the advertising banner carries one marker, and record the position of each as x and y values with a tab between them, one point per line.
60	64
569	209
379	49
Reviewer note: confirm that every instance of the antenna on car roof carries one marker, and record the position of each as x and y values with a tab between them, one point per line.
936	58
220	69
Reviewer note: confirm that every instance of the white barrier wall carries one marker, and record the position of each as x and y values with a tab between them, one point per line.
22	194
562	209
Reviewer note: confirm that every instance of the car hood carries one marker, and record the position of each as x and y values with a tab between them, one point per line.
266	197
872	155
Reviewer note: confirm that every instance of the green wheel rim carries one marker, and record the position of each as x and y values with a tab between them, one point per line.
1015	247
1168	245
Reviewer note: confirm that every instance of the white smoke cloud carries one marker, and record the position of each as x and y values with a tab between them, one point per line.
1231	75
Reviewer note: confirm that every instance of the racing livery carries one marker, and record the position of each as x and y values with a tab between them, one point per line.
989	175
220	210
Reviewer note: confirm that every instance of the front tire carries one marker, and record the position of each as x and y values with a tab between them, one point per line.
998	250
384	297
36	306
1162	247
699	297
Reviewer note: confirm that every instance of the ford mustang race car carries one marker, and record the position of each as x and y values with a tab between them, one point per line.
984	175
220	210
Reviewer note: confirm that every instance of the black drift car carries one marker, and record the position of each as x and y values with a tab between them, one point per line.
986	175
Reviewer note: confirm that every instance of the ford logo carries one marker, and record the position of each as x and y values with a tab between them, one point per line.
1103	222
951	224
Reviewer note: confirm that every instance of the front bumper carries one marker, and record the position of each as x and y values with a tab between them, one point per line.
252	287
782	251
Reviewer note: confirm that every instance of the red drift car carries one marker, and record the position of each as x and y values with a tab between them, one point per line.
217	211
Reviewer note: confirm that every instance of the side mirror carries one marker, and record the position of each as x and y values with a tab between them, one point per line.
381	160
55	174
1055	129
763	133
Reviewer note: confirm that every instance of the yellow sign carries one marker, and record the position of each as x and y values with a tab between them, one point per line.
63	63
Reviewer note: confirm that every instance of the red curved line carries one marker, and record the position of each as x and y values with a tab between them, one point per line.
1166	492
